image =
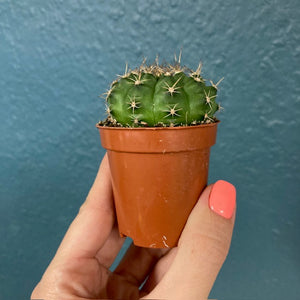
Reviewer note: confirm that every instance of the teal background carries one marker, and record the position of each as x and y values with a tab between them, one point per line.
57	56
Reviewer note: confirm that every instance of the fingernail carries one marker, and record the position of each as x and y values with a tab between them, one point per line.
222	199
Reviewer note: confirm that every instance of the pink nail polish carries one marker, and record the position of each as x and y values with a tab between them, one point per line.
222	199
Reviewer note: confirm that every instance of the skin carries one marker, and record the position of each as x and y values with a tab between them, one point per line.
80	268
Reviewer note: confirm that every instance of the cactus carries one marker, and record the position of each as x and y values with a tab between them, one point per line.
161	95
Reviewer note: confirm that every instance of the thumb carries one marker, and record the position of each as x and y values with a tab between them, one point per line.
203	246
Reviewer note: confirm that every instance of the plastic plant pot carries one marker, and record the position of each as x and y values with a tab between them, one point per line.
158	174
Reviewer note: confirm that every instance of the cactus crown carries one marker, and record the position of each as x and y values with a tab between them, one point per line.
161	95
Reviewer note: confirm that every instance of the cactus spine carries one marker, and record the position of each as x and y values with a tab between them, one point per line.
161	95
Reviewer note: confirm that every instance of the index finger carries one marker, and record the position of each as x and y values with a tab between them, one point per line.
94	222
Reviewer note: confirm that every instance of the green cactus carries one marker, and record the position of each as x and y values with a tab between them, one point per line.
161	95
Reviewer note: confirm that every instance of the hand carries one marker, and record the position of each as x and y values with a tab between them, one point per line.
80	268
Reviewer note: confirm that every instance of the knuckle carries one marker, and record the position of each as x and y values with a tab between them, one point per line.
212	247
211	241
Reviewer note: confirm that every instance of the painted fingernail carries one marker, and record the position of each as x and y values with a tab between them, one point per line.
222	199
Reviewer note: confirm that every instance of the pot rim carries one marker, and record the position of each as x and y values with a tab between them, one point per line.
158	128
158	140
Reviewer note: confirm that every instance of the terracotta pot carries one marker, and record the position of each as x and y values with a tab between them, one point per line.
157	177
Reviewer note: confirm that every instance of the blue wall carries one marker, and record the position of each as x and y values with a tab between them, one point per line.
57	56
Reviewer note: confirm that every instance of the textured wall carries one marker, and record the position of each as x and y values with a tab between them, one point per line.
57	56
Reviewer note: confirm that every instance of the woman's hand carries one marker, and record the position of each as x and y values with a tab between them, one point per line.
80	268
